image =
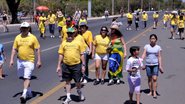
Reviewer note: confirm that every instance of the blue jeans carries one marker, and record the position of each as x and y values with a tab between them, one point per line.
52	28
152	70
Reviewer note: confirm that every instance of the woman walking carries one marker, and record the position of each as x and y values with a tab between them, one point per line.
101	43
152	52
118	53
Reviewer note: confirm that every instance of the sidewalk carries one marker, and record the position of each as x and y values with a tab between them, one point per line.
171	83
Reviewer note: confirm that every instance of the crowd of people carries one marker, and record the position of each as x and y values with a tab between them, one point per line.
78	46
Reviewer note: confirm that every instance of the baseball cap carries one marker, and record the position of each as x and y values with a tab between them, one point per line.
25	24
83	24
70	30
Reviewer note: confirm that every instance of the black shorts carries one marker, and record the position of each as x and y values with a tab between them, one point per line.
71	72
129	22
181	30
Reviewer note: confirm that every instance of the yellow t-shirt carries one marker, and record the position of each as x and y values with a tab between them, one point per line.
71	51
88	38
41	21
101	44
129	16
155	15
82	20
26	47
165	17
145	17
61	21
181	24
173	21
81	39
52	18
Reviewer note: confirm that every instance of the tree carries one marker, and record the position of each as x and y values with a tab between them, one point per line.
13	7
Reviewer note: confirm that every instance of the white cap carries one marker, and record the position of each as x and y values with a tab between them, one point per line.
25	24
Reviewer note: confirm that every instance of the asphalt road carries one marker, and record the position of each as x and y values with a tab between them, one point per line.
46	79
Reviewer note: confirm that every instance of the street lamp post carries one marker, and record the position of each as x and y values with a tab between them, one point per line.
128	5
89	7
34	9
112	7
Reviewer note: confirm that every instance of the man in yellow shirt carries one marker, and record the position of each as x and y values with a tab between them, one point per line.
52	20
72	59
64	28
165	19
155	17
24	45
144	18
88	38
129	20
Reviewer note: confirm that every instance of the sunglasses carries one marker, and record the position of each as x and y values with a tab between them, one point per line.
68	21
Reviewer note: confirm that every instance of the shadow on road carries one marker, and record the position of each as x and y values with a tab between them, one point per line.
128	102
35	94
74	98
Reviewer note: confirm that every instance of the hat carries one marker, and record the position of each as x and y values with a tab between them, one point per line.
83	24
103	28
70	30
25	24
60	15
115	27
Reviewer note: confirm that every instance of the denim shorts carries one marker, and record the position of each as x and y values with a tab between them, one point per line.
152	70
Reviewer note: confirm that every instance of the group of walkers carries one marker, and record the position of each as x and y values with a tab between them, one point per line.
78	46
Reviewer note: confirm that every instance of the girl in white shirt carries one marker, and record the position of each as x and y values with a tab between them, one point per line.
133	67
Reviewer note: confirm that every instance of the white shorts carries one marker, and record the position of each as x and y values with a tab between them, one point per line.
101	57
24	69
134	84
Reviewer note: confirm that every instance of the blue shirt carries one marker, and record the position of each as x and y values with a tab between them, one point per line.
1	51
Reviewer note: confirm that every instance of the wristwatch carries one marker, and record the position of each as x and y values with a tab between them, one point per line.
83	64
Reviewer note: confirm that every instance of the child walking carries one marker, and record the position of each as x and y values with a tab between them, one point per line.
133	66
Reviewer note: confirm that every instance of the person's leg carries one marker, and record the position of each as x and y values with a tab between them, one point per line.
1	71
137	90
131	89
149	74
97	72
87	66
154	80
50	28
104	66
172	32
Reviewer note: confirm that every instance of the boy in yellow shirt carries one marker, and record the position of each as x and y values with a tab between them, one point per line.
25	45
181	27
72	59
61	23
144	18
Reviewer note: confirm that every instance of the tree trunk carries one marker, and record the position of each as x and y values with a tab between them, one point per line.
13	7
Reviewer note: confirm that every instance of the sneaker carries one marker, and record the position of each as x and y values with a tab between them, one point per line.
84	81
118	82
102	82
81	96
51	36
23	99
67	101
111	82
59	36
96	82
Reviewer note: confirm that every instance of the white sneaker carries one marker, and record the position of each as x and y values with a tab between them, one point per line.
84	81
81	96
67	101
51	36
